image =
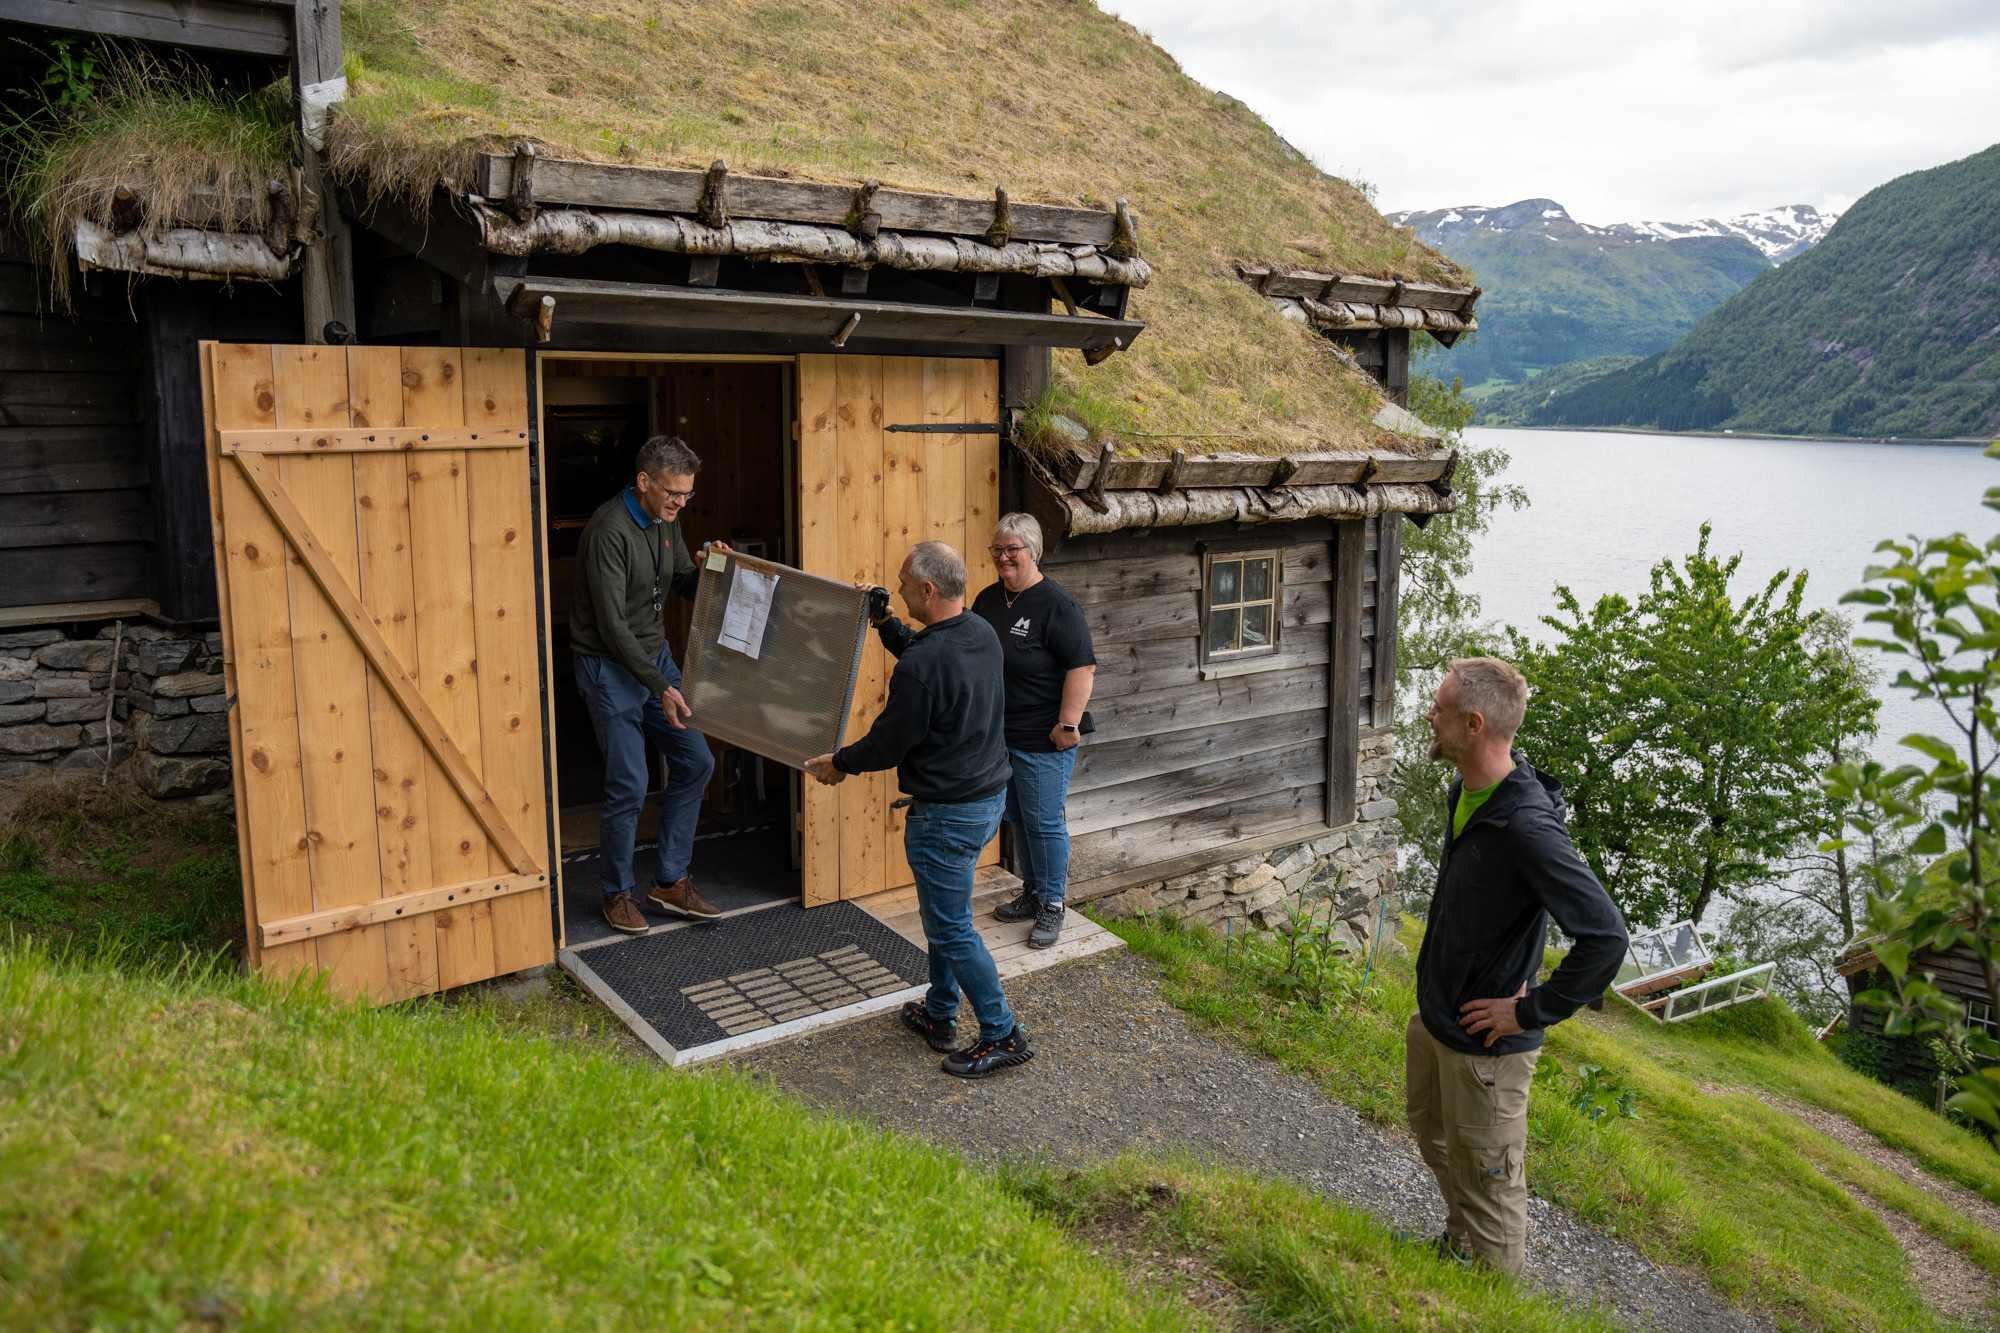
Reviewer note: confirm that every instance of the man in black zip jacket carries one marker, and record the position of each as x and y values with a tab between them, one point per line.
944	731
1508	868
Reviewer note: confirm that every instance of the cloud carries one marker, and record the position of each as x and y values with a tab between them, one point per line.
1621	112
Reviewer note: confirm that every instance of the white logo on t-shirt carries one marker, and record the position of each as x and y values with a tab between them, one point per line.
1020	627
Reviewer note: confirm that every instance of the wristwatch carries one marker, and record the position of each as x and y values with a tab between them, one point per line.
1066	726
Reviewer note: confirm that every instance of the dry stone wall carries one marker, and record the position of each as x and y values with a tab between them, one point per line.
1354	866
169	711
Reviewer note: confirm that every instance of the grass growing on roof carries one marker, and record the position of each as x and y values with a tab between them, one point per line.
1711	1175
1056	102
188	145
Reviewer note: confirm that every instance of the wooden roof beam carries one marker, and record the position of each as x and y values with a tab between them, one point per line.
248	27
590	303
666	190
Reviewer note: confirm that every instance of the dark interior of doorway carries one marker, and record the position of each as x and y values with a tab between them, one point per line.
736	416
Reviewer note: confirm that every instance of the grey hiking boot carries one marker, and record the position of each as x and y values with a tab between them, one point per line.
1048	926
1021	907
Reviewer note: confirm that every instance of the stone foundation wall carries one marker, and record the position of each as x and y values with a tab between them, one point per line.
1355	867
169	712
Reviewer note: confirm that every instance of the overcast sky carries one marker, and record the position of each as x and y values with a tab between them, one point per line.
1618	111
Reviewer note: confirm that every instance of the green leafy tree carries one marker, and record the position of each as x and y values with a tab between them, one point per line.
1438	618
1935	605
1690	729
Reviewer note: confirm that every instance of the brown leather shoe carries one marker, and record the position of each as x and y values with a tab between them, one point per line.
624	914
681	899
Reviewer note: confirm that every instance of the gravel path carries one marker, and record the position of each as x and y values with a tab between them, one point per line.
1116	1067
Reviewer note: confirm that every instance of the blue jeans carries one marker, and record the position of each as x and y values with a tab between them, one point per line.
943	843
627	718
1035	799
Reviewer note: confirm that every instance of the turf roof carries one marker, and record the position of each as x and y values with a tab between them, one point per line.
1056	101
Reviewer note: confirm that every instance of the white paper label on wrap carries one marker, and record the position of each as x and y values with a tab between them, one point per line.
748	611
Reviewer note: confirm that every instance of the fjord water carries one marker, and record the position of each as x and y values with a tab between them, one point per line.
1607	506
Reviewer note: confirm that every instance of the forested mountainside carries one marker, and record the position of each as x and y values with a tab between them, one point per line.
1888	327
1516	406
1560	290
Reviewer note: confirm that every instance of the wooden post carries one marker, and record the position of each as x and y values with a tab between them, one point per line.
327	261
1343	683
1388	589
175	317
1396	365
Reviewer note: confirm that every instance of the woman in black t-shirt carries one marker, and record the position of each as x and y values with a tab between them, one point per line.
1050	669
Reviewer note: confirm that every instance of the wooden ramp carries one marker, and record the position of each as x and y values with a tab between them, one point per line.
1081	937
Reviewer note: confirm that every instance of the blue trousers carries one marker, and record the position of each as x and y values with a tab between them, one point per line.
627	718
943	843
1036	796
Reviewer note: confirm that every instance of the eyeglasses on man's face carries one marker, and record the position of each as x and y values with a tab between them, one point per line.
678	497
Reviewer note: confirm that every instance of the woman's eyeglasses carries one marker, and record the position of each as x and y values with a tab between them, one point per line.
1005	552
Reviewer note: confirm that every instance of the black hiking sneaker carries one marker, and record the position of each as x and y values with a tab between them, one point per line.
1022	907
941	1034
1048	926
985	1057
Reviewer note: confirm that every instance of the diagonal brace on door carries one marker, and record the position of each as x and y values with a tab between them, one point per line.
291	521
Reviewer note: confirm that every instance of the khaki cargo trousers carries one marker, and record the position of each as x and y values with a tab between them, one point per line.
1470	1116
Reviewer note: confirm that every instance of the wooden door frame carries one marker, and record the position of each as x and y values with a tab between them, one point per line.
536	361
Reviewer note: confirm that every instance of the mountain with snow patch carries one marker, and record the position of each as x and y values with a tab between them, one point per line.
1559	290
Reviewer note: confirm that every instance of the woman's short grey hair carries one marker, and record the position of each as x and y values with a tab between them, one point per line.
938	565
668	456
1494	690
1024	526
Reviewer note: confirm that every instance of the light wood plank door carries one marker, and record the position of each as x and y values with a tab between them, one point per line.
375	557
866	495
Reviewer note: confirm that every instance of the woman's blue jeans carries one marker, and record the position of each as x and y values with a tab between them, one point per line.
943	843
1035	807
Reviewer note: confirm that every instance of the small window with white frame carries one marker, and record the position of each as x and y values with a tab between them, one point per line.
1979	1014
1242	600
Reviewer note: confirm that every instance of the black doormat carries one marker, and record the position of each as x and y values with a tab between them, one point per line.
706	984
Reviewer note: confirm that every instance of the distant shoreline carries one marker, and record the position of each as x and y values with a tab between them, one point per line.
1960	441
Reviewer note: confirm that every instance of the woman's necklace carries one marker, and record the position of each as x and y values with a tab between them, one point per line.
1008	597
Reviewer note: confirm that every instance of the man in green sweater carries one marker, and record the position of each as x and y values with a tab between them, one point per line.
630	554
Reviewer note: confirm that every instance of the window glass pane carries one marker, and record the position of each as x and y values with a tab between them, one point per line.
1257	626
1257	579
1225	583
1222	631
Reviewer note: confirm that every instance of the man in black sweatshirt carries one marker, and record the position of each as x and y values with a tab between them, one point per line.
944	731
1508	868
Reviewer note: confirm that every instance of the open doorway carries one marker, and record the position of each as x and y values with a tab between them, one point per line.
737	416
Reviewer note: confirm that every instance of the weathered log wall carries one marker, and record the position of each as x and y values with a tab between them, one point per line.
1181	765
75	523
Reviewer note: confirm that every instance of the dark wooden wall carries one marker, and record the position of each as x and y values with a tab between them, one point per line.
1179	764
75	518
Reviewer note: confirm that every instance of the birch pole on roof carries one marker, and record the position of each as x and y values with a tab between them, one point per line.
327	260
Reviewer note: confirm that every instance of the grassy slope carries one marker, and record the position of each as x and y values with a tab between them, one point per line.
1711	1176
1055	101
1881	329
195	1148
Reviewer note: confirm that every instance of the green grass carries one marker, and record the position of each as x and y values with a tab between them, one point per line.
196	1147
182	1146
1296	1260
83	867
1711	1176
